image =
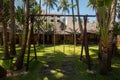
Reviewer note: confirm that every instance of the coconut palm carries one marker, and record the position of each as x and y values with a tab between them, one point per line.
79	21
4	20
106	18
64	5
12	27
50	4
111	37
19	61
20	20
73	25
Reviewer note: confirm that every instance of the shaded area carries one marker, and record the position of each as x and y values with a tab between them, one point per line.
60	67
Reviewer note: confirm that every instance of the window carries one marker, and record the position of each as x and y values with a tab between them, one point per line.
58	20
52	20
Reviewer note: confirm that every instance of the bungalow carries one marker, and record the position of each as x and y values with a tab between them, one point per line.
64	31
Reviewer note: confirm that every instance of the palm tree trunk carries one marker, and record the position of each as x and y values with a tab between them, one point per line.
38	24
12	25
79	21
5	39
108	49
20	59
5	34
74	26
64	32
111	37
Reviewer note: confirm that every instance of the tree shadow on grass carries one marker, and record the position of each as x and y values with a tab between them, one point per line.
53	67
58	67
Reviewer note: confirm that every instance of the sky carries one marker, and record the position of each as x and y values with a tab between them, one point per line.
83	8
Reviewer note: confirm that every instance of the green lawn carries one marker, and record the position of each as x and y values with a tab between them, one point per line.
57	73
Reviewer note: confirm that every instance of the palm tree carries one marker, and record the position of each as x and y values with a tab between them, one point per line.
50	4
93	5
106	12
12	25
111	36
64	5
19	61
80	22
4	19
73	25
20	19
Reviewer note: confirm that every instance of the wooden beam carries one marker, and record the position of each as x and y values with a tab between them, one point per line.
61	15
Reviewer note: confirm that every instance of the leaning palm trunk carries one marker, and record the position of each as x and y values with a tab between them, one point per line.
20	59
79	21
12	25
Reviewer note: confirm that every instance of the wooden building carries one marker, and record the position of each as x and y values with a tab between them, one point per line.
63	30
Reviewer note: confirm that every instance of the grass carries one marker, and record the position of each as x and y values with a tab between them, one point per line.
79	66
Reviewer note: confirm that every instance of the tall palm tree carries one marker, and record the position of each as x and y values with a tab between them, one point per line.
19	61
78	12
73	25
4	19
20	19
106	12
111	36
93	5
64	5
50	4
12	27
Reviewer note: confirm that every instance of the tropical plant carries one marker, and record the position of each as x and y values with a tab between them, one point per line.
34	7
50	4
79	20
19	11
105	12
64	5
73	17
20	59
20	20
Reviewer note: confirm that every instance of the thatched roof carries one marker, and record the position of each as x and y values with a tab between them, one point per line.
61	29
67	28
